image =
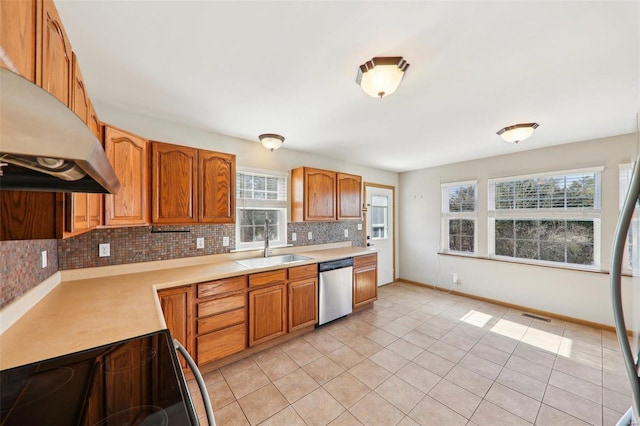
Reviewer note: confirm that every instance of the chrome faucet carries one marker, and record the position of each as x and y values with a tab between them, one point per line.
267	250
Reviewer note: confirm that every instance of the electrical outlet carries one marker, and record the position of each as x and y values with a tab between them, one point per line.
44	258
455	278
225	241
310	235
200	242
294	236
105	250
346	233
359	227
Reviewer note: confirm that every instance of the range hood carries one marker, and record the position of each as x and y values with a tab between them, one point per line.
44	146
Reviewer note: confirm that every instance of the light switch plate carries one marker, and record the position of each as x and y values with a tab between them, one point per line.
105	250
310	235
346	233
359	227
200	242
44	259
225	241
294	236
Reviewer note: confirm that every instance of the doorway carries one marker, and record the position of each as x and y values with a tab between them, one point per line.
380	228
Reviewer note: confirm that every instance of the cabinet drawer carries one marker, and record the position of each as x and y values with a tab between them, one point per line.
220	344
226	285
270	277
223	304
217	322
370	259
306	271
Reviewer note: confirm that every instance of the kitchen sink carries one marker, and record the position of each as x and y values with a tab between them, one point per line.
283	259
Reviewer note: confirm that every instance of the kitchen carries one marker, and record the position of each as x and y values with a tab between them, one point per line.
419	254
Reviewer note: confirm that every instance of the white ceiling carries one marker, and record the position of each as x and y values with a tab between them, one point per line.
289	67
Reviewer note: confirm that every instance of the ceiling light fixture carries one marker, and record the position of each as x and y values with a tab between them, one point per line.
517	132
271	141
381	76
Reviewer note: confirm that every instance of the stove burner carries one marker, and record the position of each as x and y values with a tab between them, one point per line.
142	415
128	360
40	385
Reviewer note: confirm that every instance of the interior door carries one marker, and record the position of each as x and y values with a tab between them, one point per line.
380	228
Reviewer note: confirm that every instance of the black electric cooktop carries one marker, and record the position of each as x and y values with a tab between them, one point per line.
133	382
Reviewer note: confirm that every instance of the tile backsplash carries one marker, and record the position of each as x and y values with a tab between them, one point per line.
143	244
21	266
149	243
20	261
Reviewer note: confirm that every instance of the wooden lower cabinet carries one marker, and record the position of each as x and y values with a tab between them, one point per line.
219	344
267	313
303	297
365	280
176	306
221	318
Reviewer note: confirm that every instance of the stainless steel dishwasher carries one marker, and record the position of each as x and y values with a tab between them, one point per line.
336	289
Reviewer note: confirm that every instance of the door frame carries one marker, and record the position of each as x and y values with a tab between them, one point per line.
365	211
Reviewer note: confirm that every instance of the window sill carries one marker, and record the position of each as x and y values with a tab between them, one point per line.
593	270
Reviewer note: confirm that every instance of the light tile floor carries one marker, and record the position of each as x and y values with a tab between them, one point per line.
426	357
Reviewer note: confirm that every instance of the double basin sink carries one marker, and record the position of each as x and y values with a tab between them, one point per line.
261	262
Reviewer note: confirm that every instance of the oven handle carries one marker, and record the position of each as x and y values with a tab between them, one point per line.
615	275
199	380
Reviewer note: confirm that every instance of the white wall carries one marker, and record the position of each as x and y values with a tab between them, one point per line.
578	294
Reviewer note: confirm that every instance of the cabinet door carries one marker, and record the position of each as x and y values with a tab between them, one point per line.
365	285
303	303
319	194
56	54
26	215
349	196
266	314
176	306
18	35
129	157
173	183
216	187
77	206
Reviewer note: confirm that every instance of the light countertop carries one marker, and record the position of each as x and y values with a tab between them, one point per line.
87	310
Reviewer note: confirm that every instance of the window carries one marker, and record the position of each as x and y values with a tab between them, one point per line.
459	216
379	216
260	196
551	217
631	261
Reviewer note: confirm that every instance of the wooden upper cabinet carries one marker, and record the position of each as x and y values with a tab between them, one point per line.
80	103
216	187
349	196
313	194
323	195
128	155
94	122
18	36
56	54
174	173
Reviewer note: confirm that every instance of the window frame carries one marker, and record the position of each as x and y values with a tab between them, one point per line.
447	216
280	205
565	213
629	264
385	225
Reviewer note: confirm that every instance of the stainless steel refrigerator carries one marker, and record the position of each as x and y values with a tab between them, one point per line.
625	292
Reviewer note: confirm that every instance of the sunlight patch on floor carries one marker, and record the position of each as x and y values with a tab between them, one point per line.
479	319
509	329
